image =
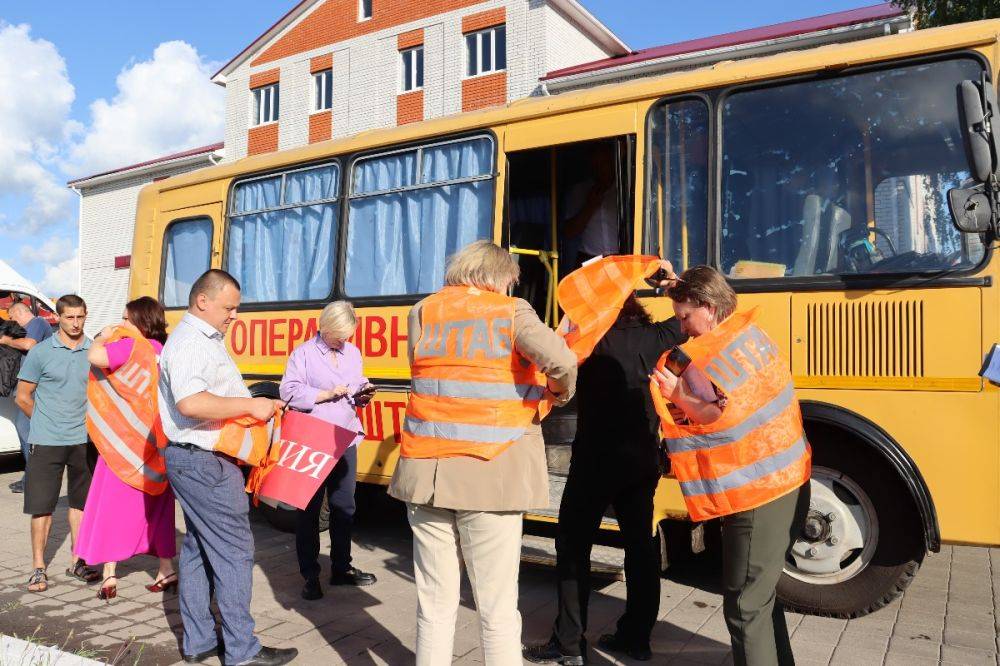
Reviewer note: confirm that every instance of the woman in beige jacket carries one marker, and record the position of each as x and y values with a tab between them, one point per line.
469	507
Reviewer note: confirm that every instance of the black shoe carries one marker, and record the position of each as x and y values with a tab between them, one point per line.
353	577
551	653
614	643
201	656
311	591
17	486
269	656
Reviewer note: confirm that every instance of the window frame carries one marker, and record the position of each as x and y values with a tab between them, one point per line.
317	81
256	108
348	184
362	15
163	254
717	98
478	34
418	74
306	304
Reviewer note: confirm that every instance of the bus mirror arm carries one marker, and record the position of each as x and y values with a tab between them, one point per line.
976	209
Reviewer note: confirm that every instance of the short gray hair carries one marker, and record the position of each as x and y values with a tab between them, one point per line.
338	320
482	264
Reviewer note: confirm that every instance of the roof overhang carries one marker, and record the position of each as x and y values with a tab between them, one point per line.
870	22
594	28
220	77
205	155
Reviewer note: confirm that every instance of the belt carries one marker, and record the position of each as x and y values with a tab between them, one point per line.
187	446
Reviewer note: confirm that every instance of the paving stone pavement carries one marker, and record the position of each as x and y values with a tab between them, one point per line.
947	616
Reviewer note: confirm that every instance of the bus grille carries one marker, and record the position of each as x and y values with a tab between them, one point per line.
866	339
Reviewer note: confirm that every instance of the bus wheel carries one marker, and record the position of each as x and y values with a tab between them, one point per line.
860	546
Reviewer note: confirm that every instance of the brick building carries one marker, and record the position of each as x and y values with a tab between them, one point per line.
332	68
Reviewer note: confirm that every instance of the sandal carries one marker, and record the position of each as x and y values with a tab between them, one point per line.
165	584
81	571
39	581
108	592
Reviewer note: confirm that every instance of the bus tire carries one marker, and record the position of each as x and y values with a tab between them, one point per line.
862	543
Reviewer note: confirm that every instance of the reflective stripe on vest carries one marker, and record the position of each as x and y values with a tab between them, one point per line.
756	451
122	416
472	394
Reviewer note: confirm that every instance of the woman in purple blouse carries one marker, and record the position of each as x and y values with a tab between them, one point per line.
324	377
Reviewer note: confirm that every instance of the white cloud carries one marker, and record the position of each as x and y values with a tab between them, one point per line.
34	111
53	250
62	278
162	105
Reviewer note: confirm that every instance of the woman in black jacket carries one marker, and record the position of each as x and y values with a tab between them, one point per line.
615	463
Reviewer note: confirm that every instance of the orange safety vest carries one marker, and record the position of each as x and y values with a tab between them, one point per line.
592	297
756	451
123	419
472	393
250	441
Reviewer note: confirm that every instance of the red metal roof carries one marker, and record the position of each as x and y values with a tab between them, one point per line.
777	31
158	160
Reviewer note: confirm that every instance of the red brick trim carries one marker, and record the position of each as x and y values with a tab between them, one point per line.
320	126
483	20
409	40
263	139
410	107
484	91
321	63
265	78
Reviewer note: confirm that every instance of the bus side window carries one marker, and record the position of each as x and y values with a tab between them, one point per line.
411	209
187	247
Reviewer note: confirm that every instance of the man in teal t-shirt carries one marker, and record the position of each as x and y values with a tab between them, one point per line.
52	392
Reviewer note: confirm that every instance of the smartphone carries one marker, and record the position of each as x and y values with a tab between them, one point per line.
365	391
677	361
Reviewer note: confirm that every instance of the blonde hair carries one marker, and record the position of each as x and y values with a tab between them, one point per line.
338	320
705	286
482	264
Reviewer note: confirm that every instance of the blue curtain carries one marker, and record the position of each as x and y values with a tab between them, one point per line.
189	245
397	243
285	254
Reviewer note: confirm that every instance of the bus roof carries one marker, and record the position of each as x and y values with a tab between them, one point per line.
836	56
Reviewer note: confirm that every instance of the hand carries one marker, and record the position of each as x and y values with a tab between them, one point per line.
5	339
666	381
671	278
107	332
279	405
262	409
329	395
361	399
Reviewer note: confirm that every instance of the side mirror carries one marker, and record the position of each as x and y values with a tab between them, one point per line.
971	210
977	105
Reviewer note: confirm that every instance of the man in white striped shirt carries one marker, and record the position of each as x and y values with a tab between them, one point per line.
200	388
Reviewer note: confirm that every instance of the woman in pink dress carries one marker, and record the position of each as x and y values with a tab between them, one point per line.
120	521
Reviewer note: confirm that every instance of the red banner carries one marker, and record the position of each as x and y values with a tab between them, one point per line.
310	449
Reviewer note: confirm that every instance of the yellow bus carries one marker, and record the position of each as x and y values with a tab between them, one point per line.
816	180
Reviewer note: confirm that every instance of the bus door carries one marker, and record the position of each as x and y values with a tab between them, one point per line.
566	204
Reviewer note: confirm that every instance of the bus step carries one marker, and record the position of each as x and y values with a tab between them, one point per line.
605	561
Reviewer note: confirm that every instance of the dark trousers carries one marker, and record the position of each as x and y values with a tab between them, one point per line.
217	554
589	491
339	490
22	424
755	544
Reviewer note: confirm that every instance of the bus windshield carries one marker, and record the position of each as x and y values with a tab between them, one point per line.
845	175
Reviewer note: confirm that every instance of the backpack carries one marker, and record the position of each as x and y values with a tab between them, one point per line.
10	364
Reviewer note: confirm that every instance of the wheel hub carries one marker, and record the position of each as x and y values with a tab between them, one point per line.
839	534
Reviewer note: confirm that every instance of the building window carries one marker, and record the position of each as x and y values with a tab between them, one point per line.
265	104
187	247
486	51
412	71
282	238
364	10
323	90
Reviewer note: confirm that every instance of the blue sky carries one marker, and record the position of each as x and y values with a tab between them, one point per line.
82	76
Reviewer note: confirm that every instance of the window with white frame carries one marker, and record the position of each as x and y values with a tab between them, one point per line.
364	10
265	104
322	90
486	51
412	69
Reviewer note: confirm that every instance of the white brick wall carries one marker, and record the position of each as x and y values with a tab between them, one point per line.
107	227
366	71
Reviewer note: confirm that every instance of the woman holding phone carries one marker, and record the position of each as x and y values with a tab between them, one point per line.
324	377
739	453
